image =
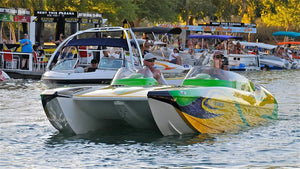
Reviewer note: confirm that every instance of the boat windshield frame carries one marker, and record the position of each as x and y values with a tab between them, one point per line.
65	64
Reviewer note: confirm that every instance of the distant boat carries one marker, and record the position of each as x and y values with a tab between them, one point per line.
236	62
266	59
107	45
12	64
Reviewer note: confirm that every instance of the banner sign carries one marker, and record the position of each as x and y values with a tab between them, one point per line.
89	15
217	27
55	14
6	17
19	18
14	14
69	17
71	20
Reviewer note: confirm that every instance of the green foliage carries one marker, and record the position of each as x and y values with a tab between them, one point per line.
281	13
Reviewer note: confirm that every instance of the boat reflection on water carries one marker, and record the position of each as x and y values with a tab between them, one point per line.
210	100
131	136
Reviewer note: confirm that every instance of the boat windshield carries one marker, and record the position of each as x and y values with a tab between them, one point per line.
110	63
129	77
214	73
67	64
210	76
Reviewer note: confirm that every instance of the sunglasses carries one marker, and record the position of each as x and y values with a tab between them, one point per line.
150	60
219	56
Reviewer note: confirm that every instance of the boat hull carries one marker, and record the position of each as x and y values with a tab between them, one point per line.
54	79
101	109
23	74
170	68
210	110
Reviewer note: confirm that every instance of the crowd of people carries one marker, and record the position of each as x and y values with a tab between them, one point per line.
284	53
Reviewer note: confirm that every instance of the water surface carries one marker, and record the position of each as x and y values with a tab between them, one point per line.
29	141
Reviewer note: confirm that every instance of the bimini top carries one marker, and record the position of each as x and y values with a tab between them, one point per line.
259	45
110	42
289	34
222	37
155	29
290	42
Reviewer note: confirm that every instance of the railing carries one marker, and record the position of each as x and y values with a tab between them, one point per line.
13	60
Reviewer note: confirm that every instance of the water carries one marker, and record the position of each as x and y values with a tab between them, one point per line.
29	141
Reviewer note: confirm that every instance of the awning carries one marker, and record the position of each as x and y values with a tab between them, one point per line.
222	37
289	34
155	29
113	42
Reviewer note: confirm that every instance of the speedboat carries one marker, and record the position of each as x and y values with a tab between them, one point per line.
112	47
209	100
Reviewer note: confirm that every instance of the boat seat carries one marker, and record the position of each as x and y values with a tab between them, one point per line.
11	62
39	63
85	56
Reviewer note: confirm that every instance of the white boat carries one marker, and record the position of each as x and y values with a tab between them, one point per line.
236	62
111	46
210	100
267	59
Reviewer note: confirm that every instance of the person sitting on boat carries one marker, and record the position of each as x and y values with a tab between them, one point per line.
220	61
256	51
149	70
238	48
282	53
174	57
94	66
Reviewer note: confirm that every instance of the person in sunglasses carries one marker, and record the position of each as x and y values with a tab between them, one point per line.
220	61
150	71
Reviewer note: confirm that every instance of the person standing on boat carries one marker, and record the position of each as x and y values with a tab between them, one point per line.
146	46
26	47
149	70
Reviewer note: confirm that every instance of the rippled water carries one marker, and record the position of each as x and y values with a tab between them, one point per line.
29	141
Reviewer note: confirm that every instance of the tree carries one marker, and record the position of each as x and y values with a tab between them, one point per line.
156	11
281	13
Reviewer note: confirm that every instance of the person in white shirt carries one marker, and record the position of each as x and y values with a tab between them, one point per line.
174	57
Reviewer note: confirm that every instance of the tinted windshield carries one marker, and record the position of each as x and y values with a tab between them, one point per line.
209	76
214	73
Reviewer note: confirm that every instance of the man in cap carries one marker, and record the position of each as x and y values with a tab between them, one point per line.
150	71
